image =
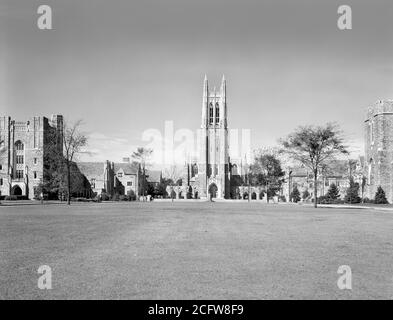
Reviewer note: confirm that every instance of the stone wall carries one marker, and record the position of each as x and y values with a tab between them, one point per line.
33	134
378	129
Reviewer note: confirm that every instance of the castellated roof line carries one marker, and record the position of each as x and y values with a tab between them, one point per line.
379	107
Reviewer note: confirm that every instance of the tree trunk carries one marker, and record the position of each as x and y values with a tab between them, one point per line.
143	183
68	184
315	188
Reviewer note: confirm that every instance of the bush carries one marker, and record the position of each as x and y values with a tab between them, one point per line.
131	194
124	198
306	194
328	200
367	200
295	195
115	197
11	198
333	192
352	195
380	197
105	196
282	199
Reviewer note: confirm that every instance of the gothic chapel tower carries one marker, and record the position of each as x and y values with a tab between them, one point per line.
213	175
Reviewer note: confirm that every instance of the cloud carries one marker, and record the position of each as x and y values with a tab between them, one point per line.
103	147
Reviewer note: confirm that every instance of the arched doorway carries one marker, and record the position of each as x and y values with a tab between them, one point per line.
16	191
213	190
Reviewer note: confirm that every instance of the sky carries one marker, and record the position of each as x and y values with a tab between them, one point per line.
125	67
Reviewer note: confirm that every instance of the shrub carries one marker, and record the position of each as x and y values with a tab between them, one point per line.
105	196
131	194
295	195
333	192
380	197
282	199
367	200
115	197
11	198
352	195
327	200
305	195
125	198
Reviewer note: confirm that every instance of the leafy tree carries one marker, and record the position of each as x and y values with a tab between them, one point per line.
295	195
150	189
160	189
314	146
266	171
305	195
333	192
352	195
380	197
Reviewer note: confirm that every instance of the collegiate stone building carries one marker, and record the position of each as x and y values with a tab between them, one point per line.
336	172
123	178
22	152
213	173
378	166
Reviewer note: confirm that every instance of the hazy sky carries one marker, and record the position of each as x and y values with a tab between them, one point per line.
126	66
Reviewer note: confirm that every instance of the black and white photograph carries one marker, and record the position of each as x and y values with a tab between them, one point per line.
196	150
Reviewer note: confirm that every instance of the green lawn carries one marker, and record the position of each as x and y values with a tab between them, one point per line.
194	250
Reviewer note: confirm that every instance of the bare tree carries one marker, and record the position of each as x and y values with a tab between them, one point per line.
73	141
174	175
142	156
314	146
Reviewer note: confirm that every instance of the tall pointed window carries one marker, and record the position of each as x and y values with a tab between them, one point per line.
211	113
217	113
19	146
194	170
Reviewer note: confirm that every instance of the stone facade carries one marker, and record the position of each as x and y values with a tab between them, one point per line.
213	173
101	176
22	152
210	172
337	172
128	175
378	162
112	178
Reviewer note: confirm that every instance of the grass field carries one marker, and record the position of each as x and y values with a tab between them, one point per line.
194	250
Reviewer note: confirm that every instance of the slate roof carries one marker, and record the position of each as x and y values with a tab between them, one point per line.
92	170
128	168
335	168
